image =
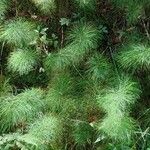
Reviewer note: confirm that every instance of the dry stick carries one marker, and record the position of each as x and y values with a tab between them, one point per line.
1	54
147	33
62	36
114	62
16	9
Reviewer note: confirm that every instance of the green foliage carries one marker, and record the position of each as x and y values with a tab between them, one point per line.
85	34
57	99
62	83
83	37
79	53
64	21
86	4
117	102
14	140
8	141
5	87
45	132
134	12
134	57
98	67
119	98
22	61
18	32
46	6
4	4
119	128
134	9
83	133
17	110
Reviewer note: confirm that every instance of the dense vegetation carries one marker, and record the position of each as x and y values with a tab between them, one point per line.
75	75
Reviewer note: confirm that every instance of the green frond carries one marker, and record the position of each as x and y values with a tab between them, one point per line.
116	103
119	146
134	12
123	3
98	67
65	99
4	4
34	97
119	128
20	109
83	38
62	83
133	37
85	34
19	32
62	59
62	105
45	6
86	4
22	61
45	132
83	133
58	98
134	9
5	87
134	57
117	100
